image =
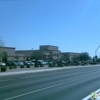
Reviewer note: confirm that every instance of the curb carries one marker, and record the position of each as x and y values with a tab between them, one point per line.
41	70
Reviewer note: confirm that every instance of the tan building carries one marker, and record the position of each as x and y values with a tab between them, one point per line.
8	54
52	51
48	50
27	53
70	55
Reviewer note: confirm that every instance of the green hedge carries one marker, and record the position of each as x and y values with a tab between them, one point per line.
37	65
51	65
60	65
10	67
3	69
22	66
15	67
27	66
41	65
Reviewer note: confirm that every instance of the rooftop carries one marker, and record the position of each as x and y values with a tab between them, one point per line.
7	47
49	45
70	52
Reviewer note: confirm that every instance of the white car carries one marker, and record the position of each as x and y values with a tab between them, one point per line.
3	64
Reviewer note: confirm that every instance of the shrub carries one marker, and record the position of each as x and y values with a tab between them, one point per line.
3	69
41	65
27	66
37	65
51	65
15	67
22	66
10	67
60	65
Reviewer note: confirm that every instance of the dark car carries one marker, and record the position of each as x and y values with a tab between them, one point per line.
15	64
76	63
8	63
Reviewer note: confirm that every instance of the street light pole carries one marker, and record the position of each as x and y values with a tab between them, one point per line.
96	50
96	53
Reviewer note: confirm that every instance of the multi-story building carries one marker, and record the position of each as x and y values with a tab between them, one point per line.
49	51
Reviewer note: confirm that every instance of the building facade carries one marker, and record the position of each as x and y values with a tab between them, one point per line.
49	51
70	55
8	54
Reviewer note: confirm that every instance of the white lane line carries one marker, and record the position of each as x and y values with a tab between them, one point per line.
25	77
40	80
24	94
27	82
89	96
46	74
6	80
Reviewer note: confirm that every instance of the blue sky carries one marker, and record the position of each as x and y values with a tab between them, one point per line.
73	25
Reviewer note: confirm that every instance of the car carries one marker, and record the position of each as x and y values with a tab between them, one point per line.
20	63
3	64
8	63
25	63
41	62
32	63
15	64
76	63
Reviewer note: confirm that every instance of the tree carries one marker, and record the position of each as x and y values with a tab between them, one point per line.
65	57
37	55
83	57
1	42
4	56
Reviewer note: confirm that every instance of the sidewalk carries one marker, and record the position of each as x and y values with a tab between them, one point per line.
38	69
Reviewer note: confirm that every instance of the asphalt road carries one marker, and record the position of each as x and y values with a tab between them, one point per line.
67	84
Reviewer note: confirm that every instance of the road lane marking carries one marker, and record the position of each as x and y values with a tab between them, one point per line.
89	96
25	77
5	80
40	80
45	74
28	82
24	94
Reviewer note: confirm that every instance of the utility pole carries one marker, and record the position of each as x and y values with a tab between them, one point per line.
96	52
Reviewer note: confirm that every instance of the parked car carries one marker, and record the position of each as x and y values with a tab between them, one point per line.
25	63
8	63
20	63
76	63
41	62
32	63
3	64
15	63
